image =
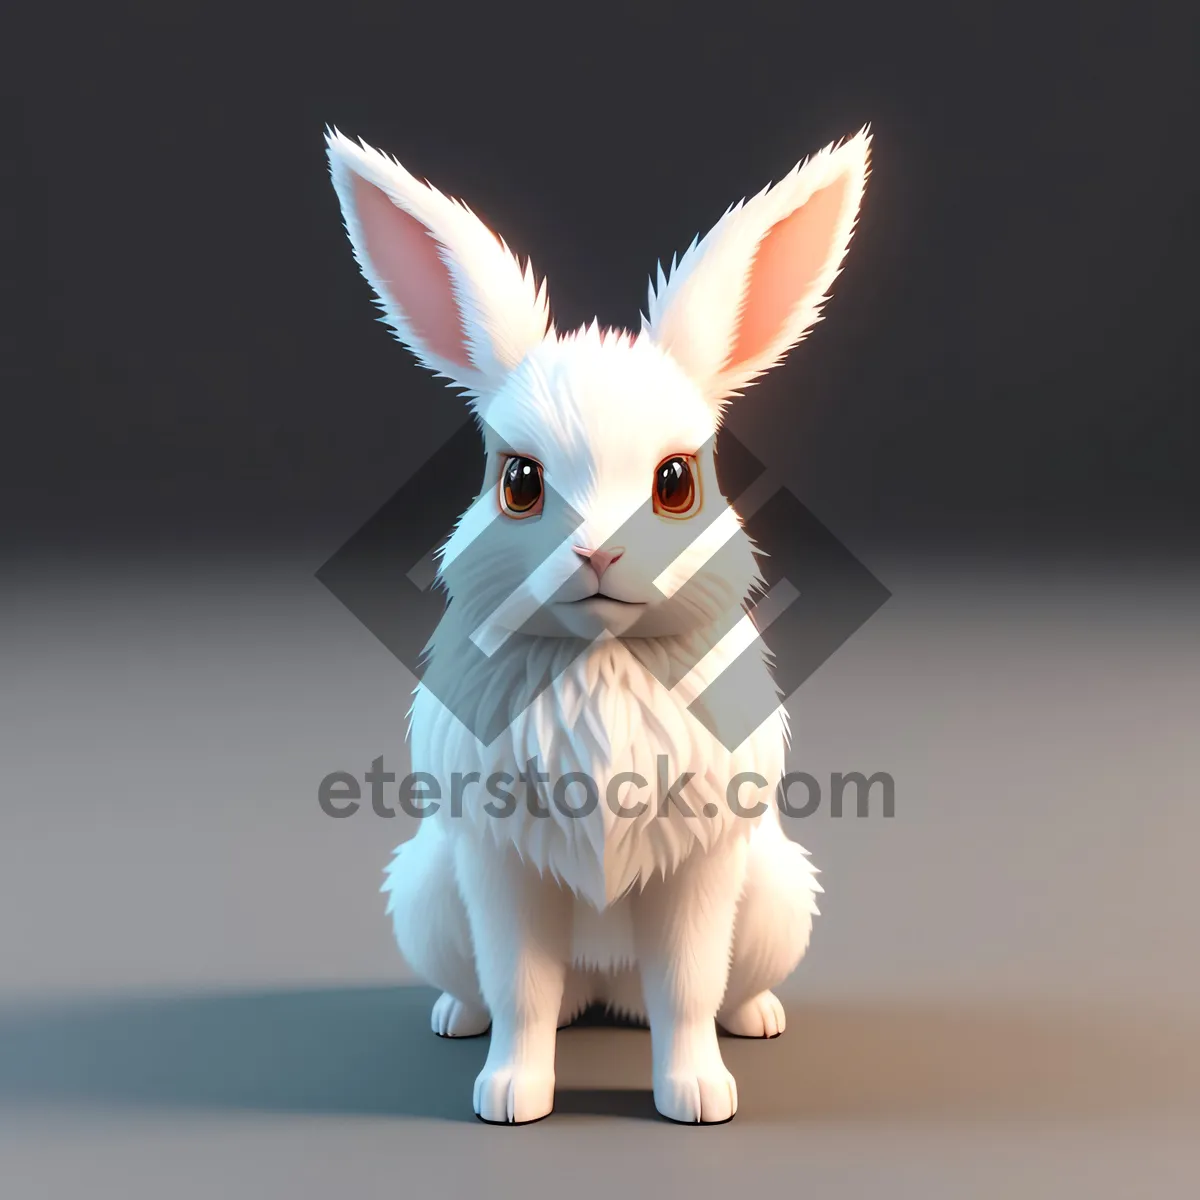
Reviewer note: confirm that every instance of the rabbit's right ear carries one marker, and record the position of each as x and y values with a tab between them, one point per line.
740	298
449	288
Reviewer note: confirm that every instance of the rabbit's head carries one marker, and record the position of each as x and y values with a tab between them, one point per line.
599	509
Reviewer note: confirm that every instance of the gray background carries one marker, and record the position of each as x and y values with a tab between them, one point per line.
201	995
198	991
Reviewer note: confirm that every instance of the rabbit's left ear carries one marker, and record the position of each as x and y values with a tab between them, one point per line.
448	286
743	296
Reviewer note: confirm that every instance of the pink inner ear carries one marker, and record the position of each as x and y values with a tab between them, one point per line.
790	259
406	262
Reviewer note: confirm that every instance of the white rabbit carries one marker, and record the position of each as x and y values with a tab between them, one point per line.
522	919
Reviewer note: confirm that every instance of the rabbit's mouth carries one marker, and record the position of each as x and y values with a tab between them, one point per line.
589	616
589	600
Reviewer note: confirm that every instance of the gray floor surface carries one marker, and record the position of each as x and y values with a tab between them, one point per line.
199	995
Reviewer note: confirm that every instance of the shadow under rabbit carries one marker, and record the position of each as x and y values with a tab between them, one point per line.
370	1051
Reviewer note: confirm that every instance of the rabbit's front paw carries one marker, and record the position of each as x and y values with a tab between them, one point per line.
696	1099
513	1095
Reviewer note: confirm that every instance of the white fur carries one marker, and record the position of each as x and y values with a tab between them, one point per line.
694	311
681	920
504	313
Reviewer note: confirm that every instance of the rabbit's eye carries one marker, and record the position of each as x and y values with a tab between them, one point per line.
521	487
676	493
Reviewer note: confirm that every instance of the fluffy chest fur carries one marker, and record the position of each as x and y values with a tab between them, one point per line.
633	782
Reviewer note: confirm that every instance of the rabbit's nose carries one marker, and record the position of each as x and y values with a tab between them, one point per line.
600	560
